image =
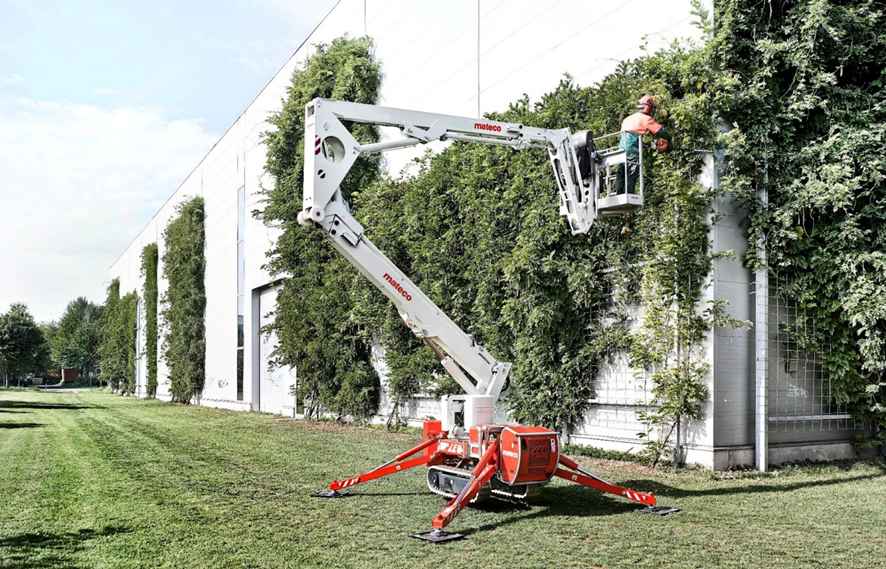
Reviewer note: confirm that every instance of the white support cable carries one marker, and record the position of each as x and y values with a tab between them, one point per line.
403	17
471	62
410	43
380	10
479	116
550	49
558	44
408	75
615	58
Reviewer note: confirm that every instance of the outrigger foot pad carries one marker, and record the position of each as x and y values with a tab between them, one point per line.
659	510
330	494
437	536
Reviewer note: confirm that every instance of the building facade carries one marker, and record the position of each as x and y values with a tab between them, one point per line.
465	58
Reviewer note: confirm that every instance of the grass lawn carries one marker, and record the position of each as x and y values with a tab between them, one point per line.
92	479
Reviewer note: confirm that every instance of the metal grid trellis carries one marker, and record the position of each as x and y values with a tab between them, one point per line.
801	398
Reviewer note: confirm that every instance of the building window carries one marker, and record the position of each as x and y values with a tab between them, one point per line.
241	282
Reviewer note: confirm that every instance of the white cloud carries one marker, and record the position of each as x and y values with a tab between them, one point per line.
11	79
78	184
106	91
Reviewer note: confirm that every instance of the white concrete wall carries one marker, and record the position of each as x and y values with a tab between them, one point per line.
429	52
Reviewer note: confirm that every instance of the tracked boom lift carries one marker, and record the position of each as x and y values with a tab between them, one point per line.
468	455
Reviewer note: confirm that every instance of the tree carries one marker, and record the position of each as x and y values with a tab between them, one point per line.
118	336
315	320
22	347
76	343
48	366
150	258
184	302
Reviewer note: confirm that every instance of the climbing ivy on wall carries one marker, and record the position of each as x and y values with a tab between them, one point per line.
117	347
184	302
315	320
804	87
477	228
150	257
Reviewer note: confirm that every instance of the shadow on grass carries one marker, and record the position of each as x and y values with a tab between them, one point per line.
776	487
20	425
391	494
4	405
45	550
571	501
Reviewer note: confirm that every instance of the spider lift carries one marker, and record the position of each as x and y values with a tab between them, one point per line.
468	455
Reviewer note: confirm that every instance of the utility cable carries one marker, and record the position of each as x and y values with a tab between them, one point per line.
449	43
395	24
555	46
471	62
419	34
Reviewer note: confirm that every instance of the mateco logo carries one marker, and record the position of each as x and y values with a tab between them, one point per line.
487	126
397	286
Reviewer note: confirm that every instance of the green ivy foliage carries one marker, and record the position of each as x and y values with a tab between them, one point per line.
150	258
804	87
478	230
315	314
184	302
118	337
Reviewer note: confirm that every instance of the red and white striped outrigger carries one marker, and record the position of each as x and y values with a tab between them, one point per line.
504	460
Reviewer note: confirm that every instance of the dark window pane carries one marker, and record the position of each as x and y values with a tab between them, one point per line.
241	267
239	331
240	374
241	214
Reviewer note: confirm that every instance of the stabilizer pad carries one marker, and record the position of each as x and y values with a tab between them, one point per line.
437	536
659	510
330	494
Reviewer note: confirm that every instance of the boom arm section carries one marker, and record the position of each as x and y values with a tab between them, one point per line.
330	153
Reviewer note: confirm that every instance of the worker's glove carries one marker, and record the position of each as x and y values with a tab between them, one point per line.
661	145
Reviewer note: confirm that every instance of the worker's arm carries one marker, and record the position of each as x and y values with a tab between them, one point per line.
662	135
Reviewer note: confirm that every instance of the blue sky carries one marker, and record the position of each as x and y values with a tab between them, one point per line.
192	58
105	107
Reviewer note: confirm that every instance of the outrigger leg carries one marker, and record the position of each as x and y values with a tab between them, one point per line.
485	469
585	478
390	467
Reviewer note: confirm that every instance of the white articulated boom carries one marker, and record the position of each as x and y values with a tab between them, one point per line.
330	152
468	456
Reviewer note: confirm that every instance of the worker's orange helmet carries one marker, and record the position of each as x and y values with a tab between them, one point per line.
646	105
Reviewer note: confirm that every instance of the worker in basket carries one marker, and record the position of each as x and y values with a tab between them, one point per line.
632	130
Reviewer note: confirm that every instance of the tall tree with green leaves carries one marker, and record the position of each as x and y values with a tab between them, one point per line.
22	346
315	323
118	347
150	258
48	366
184	302
76	344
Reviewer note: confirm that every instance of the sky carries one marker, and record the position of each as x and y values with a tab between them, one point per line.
105	107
